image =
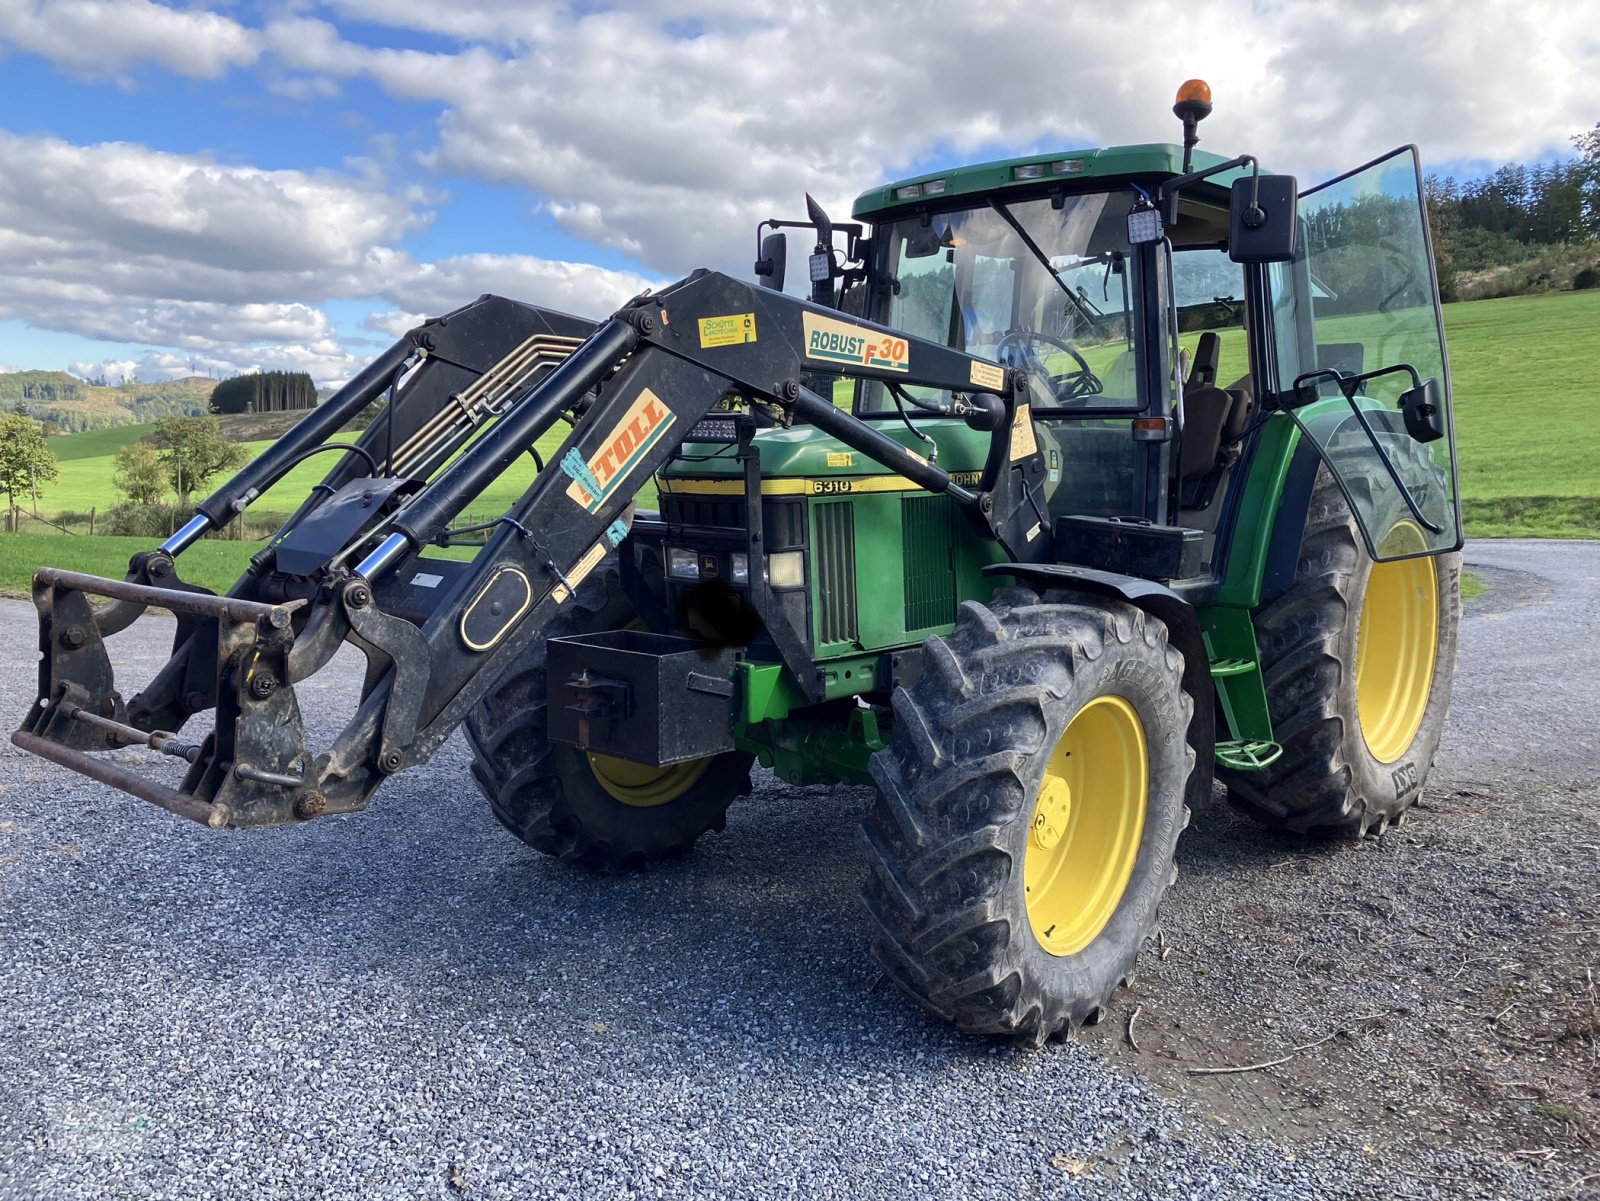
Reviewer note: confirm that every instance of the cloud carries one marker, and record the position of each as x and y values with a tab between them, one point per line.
580	288
102	38
231	264
112	370
393	323
665	134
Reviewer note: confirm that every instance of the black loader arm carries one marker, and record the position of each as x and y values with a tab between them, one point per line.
437	635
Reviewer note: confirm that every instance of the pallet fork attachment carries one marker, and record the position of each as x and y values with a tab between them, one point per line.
482	384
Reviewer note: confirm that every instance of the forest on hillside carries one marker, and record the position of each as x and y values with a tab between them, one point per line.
1520	228
66	404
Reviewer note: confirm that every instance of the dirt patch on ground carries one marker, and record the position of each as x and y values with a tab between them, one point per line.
1434	990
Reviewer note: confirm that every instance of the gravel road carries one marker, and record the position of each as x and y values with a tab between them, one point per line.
408	1003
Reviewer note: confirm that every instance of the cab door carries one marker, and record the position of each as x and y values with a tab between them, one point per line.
1361	355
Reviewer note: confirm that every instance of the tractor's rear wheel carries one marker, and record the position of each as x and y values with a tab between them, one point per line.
1029	808
584	808
1358	658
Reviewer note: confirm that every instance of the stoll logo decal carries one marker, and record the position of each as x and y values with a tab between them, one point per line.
641	428
840	342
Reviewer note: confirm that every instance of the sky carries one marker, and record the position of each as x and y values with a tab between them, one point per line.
290	186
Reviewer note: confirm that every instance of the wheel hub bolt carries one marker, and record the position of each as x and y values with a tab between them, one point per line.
1052	815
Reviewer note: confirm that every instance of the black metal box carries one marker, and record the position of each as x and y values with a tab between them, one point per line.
1129	546
650	698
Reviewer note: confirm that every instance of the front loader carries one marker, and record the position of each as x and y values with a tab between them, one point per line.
983	523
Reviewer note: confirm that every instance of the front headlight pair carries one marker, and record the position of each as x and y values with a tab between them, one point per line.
785	569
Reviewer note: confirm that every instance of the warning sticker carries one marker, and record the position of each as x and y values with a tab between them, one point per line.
988	375
1023	442
580	570
830	341
727	331
641	428
841	458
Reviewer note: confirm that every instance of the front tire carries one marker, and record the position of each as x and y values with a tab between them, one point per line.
1358	659
581	808
1029	808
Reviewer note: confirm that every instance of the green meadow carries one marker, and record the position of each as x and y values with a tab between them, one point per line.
1527	396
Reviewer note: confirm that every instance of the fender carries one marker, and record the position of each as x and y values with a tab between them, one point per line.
1282	560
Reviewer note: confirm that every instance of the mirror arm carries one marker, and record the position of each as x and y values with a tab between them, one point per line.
1347	385
1168	196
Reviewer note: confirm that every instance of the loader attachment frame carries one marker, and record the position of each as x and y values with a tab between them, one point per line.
347	567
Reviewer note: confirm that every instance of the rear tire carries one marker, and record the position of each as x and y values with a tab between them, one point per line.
603	813
996	907
1338	776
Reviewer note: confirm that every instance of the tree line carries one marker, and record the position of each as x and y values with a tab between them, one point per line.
1516	213
264	392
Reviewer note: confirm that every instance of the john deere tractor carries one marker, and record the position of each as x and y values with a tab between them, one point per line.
1079	482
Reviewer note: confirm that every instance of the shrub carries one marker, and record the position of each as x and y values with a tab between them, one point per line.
1589	277
130	520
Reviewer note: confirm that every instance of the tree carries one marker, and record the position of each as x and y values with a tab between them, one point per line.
193	450
1588	175
141	476
26	461
1444	223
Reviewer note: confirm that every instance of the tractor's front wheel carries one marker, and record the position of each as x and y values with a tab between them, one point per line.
1358	658
1029	809
585	808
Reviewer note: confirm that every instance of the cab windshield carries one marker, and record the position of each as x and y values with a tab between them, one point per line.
1026	284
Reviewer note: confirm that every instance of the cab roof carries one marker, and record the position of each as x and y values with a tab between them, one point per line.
1069	168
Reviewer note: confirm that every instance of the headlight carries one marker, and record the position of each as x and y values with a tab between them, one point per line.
739	568
787	569
682	564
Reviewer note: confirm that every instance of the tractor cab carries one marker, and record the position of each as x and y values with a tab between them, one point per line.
1164	303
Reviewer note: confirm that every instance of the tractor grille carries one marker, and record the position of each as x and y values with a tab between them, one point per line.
783	521
834	571
704	510
930	579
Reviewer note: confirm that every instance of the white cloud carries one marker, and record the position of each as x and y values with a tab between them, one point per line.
580	288
231	264
107	37
392	323
666	133
111	370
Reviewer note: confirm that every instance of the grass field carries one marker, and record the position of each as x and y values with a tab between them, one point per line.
1527	424
1527	396
212	563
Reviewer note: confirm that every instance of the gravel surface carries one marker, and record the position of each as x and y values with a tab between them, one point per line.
408	1003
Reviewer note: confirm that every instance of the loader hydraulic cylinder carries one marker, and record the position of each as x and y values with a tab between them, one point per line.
313	430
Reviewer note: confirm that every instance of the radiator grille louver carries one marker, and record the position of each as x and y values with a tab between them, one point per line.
783	521
835	567
930	582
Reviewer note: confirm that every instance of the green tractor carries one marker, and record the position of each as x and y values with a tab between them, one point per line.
1081	481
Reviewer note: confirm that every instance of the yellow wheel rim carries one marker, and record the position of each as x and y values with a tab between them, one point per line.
639	784
643	786
1087	824
1397	644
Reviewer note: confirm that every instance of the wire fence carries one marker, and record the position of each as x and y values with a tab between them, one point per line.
144	521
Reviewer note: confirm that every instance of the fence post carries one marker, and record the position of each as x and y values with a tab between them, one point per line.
91	520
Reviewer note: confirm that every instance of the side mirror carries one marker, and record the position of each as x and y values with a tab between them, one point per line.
1263	231
774	260
1423	411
